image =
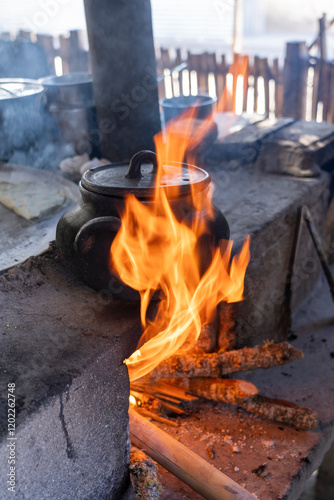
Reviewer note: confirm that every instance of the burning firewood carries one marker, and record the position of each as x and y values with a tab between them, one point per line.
144	477
153	416
161	397
183	463
223	363
281	411
221	390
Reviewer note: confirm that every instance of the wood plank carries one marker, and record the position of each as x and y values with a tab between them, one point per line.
295	80
46	43
278	77
330	116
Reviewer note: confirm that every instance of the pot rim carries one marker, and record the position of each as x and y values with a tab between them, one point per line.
67	80
31	84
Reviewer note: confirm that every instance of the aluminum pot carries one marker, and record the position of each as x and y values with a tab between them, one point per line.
72	89
203	106
85	233
70	109
21	117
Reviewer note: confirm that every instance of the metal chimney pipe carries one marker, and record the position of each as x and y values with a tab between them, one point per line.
124	76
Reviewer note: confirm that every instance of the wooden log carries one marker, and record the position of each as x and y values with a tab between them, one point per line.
227	391
224	363
227	337
281	411
207	340
144	476
182	462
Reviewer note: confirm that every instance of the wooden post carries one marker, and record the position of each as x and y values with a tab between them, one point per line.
220	76
46	43
238	27
322	38
124	75
330	116
256	74
295	80
322	75
278	77
64	52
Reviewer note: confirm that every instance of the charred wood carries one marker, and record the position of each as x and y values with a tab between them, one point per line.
144	476
223	363
282	411
222	390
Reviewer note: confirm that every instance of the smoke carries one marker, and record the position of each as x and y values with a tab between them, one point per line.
26	135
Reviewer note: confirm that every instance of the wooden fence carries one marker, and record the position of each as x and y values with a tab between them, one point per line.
302	88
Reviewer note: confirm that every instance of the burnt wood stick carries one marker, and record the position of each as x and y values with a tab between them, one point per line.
154	416
281	411
222	390
285	313
182	462
217	364
144	476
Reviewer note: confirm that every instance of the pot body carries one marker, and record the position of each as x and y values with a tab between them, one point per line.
85	234
70	110
203	106
21	116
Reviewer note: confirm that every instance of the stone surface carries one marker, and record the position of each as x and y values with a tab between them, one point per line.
300	149
263	171
265	206
63	345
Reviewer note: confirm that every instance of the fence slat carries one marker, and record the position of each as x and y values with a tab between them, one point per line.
330	116
295	80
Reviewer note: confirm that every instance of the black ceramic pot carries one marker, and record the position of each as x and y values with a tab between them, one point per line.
85	233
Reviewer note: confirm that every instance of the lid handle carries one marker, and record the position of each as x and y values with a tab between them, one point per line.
136	162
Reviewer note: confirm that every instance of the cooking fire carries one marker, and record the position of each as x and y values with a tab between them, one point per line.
166	257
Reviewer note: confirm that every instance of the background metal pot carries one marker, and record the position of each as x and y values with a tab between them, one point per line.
203	106
21	121
72	89
70	108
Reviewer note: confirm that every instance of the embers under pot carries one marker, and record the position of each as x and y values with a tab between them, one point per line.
85	233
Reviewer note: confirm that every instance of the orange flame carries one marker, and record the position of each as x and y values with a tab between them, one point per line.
154	250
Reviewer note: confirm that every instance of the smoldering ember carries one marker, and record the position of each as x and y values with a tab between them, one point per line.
166	251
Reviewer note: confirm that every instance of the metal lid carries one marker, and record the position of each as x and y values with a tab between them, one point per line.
139	177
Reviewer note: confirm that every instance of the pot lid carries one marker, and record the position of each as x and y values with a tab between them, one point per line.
139	177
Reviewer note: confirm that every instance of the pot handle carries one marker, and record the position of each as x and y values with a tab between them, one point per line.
136	161
84	239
